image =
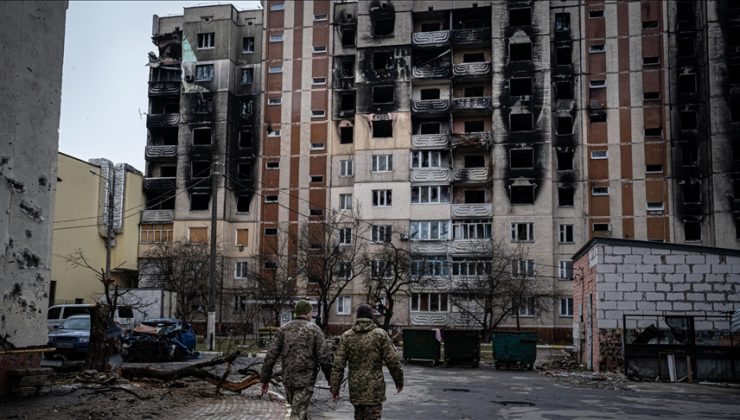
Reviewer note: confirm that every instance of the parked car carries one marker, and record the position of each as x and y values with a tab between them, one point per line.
159	339
58	313
72	336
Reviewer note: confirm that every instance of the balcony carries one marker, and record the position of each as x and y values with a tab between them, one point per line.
429	247
430	106
464	210
157	216
430	72
162	120
471	70
471	36
469	246
430	141
482	139
161	153
430	175
430	318
159	185
472	104
472	175
435	38
164	88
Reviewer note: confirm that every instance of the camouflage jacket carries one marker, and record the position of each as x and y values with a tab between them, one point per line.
365	348
300	346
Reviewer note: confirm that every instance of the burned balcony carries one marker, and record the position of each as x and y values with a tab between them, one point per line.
430	141
471	36
471	70
430	106
473	210
430	72
157	216
472	104
471	175
434	38
161	153
162	120
480	139
160	184
164	88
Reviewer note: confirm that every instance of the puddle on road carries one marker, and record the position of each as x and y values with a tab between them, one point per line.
456	390
515	403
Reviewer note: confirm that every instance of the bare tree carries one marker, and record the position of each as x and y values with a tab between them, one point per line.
330	256
269	281
111	293
496	283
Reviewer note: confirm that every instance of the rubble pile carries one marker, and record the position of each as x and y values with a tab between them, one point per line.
601	380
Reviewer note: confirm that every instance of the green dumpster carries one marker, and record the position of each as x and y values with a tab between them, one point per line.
514	349
462	346
420	345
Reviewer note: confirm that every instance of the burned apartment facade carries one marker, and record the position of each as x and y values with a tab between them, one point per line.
203	142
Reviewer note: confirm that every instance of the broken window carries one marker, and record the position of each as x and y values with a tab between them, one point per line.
522	232
168	171
315	212
475	161
382	94
522	194
686	47
473	91
598	116
431	26
347	102
247	76
430	128
243	170
242	204
474	58
692	231
651	96
596	48
206	40
599	190
475	196
654	168
521	158
383	19
199	201
520	17
348	37
596	13
687	84
200	169
520	86
563	90
650	24
316	178
520	122
688	120
245	139
565	160
565	197
520	52
201	136
690	154
563	55
346	135
348	68
692	193
562	21
248	44
204	72
654	132
474	126
382	128
601	227
428	94
382	60
565	125
650	61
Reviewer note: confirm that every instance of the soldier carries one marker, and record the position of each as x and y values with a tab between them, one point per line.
366	347
300	345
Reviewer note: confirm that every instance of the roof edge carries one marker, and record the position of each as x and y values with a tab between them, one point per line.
650	244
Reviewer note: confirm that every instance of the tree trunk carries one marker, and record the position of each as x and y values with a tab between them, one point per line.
388	313
99	348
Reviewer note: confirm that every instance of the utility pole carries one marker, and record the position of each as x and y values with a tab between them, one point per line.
211	325
111	181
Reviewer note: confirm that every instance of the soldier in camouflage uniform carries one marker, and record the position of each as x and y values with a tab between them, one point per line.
300	345
366	348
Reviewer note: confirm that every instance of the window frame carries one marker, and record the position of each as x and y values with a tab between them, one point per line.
529	232
382	198
203	38
345	201
240	269
344	305
346	167
565	267
566	233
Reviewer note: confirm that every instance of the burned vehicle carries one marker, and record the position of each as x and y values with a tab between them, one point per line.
159	339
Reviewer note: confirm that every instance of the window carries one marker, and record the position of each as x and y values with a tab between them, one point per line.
520	17
428	302
248	45
471	229
344	305
348	37
522	194
201	136
655	207
689	120
653	132
596	48
527	307
382	163
474	196
381	233
691	193
271	199
565	197
474	58
474	126
271	231
650	24
599	190
522	268
345	236
566	307
274	100
522	232
692	231
155	233
240	270
271	265
198	235
566	234
242	237
429	94
345	167
563	55
690	154
345	201
521	158
650	61
685	47
428	159
200	169
473	91
199	201
431	26
430	266
597	84
564	90
344	270
520	122
596	13
380	269
520	52
655	168
651	96
382	94
276	37
430	194
382	198
429	230
245	139
315	212
562	21
382	128
277	7
599	154
520	86
318	113
319	18
382	60
565	270
206	40
204	72
275	69
565	160
316	178
317	146
272	164
565	126
471	267
240	303
601	227
382	23
247	76
687	84
319	80
319	49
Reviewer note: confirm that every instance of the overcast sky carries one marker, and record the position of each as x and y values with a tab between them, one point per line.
104	85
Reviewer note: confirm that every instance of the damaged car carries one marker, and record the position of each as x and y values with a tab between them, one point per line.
159	339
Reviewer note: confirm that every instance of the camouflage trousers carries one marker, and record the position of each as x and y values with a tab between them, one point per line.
368	412
299	399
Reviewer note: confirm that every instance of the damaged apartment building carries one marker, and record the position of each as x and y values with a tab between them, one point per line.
449	127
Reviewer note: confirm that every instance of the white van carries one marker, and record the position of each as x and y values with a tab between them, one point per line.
59	313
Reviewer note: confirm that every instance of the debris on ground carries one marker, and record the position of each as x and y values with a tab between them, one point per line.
566	368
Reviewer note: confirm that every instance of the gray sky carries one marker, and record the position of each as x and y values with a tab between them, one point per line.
104	85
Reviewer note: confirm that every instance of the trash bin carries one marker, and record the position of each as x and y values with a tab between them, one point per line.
514	349
420	345
462	346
